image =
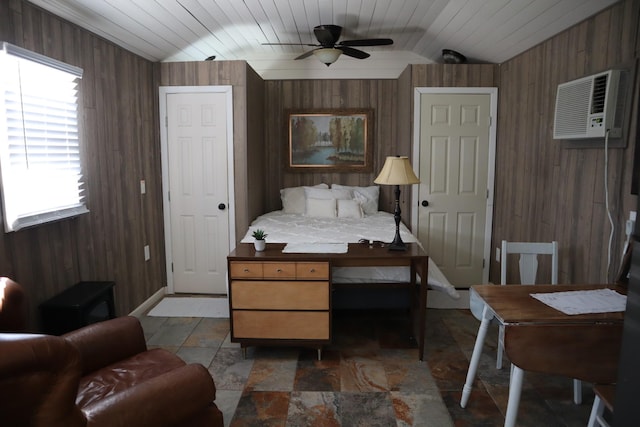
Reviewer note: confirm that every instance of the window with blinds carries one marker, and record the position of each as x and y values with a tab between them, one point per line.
39	139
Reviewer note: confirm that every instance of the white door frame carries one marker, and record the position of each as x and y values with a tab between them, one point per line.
164	150
493	91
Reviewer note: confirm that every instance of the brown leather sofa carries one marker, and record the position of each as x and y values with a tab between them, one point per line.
101	375
12	306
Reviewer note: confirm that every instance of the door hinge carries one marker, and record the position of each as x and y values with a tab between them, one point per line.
172	267
487	193
166	121
483	262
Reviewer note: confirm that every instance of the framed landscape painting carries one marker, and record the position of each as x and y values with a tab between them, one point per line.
330	140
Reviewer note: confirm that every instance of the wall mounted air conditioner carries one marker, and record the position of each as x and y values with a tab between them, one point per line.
587	107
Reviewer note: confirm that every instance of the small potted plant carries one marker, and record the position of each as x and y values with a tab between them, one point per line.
259	236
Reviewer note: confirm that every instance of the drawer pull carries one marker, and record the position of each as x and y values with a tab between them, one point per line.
313	270
279	270
246	270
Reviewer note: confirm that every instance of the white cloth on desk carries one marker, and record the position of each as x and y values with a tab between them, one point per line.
316	248
584	301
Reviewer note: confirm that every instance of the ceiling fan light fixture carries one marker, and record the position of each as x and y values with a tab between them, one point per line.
327	55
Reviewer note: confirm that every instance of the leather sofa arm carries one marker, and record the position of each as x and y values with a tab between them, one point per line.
39	376
12	306
155	402
101	344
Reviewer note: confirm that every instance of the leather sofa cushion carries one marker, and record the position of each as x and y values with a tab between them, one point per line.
38	374
125	374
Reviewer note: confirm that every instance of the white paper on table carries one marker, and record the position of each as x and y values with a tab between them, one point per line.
582	302
316	248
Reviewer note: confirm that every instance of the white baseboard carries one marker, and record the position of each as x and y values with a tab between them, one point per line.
150	302
438	299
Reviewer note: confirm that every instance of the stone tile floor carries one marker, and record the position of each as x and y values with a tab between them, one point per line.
368	376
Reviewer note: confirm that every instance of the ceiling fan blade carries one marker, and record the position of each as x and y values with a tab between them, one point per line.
305	55
289	44
367	42
355	53
327	35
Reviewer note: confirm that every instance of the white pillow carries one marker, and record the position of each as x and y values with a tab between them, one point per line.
293	199
342	194
349	209
324	208
367	196
319	193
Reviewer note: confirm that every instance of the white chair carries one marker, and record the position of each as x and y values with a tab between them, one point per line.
528	271
528	266
604	398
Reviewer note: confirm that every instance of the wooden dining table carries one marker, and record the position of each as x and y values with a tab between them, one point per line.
539	338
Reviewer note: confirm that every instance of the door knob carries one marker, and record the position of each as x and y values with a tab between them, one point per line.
425	203
222	206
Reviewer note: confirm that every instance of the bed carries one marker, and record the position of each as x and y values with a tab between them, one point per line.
342	214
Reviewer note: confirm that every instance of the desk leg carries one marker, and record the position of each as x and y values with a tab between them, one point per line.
515	389
487	315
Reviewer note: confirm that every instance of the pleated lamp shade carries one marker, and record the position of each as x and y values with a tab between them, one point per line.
397	170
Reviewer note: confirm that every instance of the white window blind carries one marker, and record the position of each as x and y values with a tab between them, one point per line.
39	139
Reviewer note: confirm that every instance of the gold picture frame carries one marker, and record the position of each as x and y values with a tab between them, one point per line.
330	140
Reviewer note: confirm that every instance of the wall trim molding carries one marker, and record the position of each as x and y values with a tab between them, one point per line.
149	302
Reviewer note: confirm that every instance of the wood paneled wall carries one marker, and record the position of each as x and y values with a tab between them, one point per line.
256	167
546	192
248	126
380	95
119	127
454	75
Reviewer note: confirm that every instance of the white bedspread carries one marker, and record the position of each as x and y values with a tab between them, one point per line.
296	228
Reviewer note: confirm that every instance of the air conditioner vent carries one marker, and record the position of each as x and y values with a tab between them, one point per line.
599	94
571	112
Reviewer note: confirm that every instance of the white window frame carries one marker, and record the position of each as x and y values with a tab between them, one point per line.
40	159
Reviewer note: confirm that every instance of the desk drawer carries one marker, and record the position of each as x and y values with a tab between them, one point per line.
262	270
245	270
306	325
279	270
286	295
312	270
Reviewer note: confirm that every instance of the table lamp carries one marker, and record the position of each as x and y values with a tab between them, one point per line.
397	171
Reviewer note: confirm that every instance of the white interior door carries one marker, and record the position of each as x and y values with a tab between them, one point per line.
198	200
456	146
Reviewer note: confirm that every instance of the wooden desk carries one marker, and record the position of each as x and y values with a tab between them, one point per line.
282	267
541	339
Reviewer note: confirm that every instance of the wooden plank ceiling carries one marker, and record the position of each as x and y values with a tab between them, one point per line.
191	30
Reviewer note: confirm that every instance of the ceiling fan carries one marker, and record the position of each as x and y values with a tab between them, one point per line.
328	49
